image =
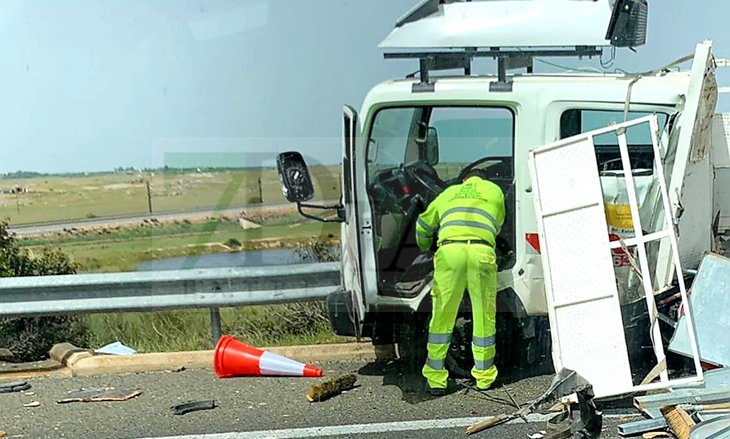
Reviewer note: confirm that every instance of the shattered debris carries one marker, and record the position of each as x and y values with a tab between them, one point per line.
330	388
566	383
691	411
116	348
710	296
99	395
193	406
14	386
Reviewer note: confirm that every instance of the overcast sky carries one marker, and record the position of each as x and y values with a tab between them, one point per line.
92	85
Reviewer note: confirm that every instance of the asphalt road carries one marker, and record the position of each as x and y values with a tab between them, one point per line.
387	404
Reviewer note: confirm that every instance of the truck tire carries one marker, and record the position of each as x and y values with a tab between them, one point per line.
518	356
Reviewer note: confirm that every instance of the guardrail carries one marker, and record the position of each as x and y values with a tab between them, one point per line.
166	290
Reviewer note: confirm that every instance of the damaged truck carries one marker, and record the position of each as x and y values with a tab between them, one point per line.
414	136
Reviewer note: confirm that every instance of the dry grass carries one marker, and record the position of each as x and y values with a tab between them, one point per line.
64	198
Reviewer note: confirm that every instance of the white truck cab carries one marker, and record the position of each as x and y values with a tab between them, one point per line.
417	135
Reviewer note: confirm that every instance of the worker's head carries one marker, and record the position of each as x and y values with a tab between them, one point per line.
480	173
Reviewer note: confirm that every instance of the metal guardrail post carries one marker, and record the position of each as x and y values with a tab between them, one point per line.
215	324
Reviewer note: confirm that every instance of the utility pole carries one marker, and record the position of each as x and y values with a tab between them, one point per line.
149	197
261	192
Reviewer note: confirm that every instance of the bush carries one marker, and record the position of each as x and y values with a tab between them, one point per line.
317	251
234	243
30	338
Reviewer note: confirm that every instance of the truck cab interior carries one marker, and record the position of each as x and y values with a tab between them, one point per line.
414	153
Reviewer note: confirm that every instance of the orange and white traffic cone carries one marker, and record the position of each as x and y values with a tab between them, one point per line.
234	358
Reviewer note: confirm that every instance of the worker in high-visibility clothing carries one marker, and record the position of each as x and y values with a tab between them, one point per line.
467	219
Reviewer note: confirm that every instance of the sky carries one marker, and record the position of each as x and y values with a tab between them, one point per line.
91	85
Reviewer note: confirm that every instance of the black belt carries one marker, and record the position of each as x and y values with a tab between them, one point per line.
466	241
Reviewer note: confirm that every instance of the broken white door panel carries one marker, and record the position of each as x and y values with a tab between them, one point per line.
580	283
688	171
721	164
583	303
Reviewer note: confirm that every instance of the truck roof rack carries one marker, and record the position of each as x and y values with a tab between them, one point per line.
448	34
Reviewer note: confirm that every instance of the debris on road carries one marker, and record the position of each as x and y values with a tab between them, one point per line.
116	348
14	386
193	406
233	358
691	411
696	410
710	293
99	395
330	388
566	382
679	421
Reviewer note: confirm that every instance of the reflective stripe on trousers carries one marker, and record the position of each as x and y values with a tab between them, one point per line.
459	267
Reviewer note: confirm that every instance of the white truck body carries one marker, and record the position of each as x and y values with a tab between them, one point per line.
508	118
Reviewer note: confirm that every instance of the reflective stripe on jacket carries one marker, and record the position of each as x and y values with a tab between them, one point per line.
471	210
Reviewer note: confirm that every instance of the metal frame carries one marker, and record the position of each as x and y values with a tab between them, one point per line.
506	59
640	240
214	288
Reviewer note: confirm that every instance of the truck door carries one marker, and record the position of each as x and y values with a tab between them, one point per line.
358	263
688	169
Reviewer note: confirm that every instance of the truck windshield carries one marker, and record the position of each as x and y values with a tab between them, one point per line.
462	135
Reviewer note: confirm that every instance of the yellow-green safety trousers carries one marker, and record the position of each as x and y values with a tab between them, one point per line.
473	210
460	266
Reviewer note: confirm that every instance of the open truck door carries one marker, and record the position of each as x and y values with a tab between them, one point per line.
689	173
358	270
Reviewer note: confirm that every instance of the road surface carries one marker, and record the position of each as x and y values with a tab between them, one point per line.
387	404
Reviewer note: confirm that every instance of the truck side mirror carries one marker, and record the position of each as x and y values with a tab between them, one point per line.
296	184
432	146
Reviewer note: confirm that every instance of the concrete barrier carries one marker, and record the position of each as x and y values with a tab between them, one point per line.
69	360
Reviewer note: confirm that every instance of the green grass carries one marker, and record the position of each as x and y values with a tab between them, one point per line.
65	198
115	249
122	249
271	325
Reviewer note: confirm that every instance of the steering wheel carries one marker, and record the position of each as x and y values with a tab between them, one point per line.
478	162
426	175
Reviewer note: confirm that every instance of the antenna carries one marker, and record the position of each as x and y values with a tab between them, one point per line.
449	34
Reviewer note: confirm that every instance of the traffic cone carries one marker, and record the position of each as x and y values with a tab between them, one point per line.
234	358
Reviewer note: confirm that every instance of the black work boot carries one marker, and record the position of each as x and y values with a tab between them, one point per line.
436	391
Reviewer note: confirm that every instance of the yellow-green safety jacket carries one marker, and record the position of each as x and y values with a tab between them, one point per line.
471	210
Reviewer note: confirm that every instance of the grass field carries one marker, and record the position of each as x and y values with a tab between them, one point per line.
114	249
62	198
123	249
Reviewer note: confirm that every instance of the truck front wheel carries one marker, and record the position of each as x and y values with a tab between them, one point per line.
519	355
522	349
